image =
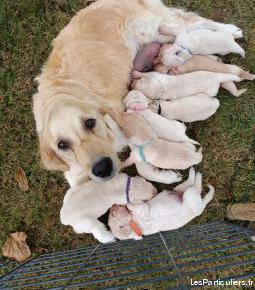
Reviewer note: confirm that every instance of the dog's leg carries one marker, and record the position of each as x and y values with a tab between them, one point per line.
192	196
128	162
94	226
152	173
238	49
231	87
188	183
101	233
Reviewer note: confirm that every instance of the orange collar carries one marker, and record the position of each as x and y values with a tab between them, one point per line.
136	228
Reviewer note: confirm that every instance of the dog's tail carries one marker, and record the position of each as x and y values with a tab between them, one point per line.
209	196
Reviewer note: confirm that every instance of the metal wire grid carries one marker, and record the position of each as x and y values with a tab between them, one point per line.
166	260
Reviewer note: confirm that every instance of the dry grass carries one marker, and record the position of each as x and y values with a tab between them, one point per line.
27	28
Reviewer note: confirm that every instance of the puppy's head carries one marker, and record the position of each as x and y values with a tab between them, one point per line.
119	222
73	136
173	55
140	189
149	85
136	100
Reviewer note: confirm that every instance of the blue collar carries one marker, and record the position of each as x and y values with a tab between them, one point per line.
128	188
141	149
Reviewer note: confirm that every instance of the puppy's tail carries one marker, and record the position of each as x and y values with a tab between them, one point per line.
209	196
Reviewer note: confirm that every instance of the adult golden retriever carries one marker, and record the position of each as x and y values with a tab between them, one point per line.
87	73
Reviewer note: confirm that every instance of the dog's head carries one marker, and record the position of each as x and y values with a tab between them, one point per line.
173	55
119	222
149	84
135	101
74	137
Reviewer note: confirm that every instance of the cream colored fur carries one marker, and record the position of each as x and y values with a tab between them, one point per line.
88	72
207	63
166	211
199	41
189	109
170	130
84	204
144	169
165	87
157	152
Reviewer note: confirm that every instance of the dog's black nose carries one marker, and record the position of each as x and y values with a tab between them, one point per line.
103	168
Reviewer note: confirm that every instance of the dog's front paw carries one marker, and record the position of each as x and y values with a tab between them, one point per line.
108	237
136	74
236	31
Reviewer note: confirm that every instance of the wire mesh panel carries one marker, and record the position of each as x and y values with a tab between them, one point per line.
166	260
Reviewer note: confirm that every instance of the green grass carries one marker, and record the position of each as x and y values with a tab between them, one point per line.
27	29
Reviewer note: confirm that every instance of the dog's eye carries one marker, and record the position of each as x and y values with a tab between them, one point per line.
63	145
177	53
90	123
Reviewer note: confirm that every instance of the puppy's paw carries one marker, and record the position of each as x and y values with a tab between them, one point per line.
108	237
236	31
136	74
173	70
170	176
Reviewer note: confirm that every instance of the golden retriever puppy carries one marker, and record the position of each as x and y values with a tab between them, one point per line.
88	72
84	204
146	170
188	109
148	148
165	87
200	41
207	63
170	130
166	211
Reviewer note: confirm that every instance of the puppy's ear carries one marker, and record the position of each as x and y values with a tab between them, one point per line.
49	158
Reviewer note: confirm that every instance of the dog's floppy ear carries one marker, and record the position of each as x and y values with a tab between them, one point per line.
116	116
49	158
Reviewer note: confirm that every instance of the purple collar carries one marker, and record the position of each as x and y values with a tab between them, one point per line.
128	188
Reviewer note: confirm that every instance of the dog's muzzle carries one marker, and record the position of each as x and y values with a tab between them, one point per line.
103	168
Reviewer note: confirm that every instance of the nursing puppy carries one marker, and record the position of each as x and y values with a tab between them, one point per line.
170	130
166	211
84	204
199	107
206	63
145	169
199	41
88	72
165	87
148	148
